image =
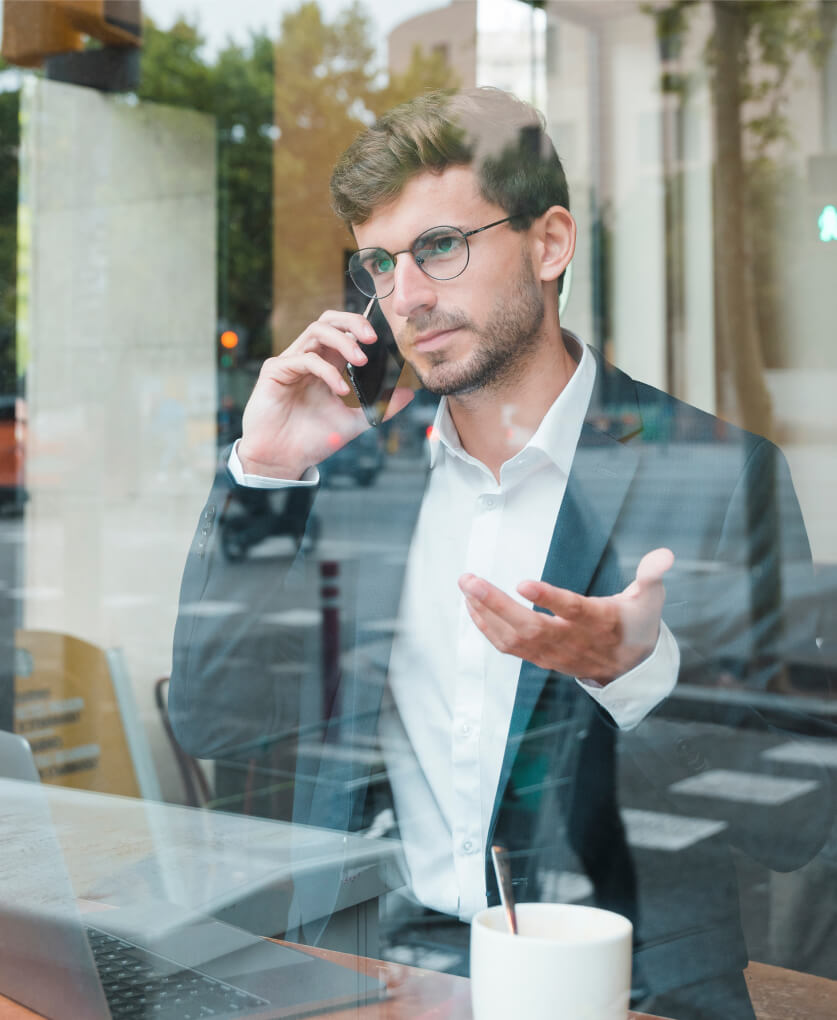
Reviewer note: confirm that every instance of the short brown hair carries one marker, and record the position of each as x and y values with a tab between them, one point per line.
505	139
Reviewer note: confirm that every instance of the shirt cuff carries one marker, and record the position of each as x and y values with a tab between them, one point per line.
630	697
309	478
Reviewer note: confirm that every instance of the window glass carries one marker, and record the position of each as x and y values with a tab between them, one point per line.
287	684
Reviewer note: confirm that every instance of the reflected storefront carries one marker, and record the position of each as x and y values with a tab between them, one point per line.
257	694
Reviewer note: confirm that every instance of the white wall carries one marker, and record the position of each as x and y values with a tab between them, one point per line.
116	324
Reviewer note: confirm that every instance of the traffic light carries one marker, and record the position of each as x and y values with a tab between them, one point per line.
37	30
827	223
229	347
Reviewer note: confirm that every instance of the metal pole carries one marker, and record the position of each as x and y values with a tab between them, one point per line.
330	607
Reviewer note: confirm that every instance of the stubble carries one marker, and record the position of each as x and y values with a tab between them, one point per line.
503	345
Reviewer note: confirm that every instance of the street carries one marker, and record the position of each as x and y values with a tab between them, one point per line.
768	780
764	782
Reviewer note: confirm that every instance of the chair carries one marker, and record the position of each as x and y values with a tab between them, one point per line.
195	784
75	705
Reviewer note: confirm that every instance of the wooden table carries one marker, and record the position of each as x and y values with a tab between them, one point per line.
416	994
776	993
779	994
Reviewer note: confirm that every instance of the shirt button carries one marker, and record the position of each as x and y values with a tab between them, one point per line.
467	846
465	730
489	502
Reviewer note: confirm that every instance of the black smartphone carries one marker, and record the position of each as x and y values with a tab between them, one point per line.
374	383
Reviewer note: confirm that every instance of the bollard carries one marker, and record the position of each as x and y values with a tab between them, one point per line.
330	657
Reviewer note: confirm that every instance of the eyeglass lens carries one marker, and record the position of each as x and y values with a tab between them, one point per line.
441	253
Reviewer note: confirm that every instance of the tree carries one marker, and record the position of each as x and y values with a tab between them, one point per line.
285	109
9	144
425	71
752	50
238	90
325	77
328	88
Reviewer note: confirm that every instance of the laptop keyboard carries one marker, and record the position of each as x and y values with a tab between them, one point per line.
141	986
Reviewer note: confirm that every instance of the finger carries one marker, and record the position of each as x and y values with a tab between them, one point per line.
321	337
350	322
290	369
497	630
650	570
547	641
560	601
489	597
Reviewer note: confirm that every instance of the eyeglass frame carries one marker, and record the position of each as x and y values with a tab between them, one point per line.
404	251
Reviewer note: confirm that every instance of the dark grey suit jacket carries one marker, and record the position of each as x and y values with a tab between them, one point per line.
648	471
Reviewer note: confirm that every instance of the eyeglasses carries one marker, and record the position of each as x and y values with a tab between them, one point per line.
442	253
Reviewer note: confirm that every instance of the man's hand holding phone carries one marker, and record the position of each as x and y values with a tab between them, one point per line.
295	416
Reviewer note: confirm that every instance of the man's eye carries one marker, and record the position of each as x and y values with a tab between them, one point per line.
440	246
380	264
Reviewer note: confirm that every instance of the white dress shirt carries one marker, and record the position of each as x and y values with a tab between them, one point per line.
447	713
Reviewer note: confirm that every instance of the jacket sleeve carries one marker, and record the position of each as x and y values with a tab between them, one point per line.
236	677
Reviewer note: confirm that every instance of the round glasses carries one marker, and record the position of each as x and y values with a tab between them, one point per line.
442	253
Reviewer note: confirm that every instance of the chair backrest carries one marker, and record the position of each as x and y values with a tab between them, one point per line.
195	784
82	725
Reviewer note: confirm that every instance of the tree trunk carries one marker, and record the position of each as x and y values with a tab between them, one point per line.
745	398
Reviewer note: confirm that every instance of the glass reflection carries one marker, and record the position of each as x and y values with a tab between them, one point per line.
327	672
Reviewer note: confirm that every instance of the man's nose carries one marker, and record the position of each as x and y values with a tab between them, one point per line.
412	290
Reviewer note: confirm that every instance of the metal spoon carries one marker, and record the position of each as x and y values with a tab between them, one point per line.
502	870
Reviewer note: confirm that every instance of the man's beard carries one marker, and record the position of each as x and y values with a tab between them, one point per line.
503	345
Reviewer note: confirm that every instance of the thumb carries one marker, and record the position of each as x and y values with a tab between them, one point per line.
653	565
651	568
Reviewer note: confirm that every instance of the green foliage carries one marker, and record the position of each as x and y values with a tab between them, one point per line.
671	22
328	88
426	71
775	33
285	109
9	143
172	69
752	53
325	78
238	90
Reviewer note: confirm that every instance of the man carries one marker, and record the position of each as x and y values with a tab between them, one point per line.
533	634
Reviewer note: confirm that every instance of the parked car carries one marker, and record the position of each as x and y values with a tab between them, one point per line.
12	441
359	461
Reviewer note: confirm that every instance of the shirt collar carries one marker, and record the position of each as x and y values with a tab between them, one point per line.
557	435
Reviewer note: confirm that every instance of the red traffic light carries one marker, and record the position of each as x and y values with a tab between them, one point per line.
229	339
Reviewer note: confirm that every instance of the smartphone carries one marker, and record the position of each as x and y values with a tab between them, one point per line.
374	383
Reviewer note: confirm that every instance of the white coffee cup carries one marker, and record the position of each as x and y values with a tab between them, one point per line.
567	962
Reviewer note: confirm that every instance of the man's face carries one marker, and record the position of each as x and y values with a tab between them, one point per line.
474	331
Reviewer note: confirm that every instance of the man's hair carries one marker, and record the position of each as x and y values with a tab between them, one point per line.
500	136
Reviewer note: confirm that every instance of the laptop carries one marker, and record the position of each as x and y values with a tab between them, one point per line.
63	964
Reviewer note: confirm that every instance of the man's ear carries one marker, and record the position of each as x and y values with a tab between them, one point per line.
554	233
